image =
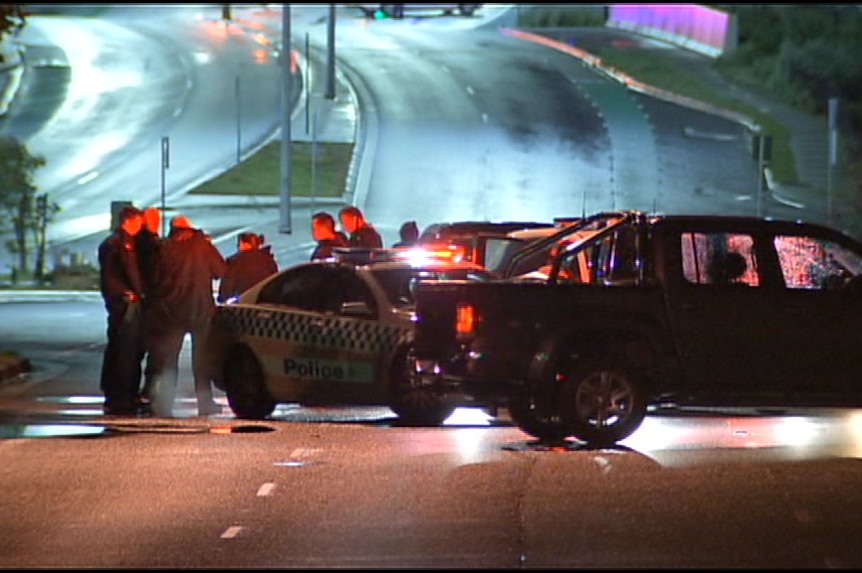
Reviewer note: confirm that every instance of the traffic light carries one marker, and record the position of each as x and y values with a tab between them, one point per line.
380	14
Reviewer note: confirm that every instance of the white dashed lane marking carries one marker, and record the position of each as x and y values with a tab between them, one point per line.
266	489
231	532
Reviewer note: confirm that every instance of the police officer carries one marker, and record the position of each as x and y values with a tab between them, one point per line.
183	303
408	233
361	232
122	290
327	236
252	263
148	241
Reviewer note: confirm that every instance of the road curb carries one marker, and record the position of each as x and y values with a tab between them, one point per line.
631	83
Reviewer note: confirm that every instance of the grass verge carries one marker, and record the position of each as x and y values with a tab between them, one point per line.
317	170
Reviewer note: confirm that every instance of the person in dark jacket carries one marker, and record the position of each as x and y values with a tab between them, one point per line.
409	233
148	241
122	289
251	263
327	236
183	303
361	232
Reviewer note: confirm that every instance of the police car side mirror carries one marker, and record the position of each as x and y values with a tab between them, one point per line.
356	308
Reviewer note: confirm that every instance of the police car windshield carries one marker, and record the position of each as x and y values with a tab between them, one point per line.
400	284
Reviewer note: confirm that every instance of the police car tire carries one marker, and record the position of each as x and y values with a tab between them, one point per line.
426	414
245	385
544	426
415	404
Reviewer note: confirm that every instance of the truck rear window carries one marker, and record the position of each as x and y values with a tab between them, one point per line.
400	284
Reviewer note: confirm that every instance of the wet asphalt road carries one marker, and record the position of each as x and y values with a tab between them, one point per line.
349	488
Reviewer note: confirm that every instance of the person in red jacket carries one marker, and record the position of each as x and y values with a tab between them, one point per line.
183	303
251	263
327	236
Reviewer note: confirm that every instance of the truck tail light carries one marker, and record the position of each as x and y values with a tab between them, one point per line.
465	320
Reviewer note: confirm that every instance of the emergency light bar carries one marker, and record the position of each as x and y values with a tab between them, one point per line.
361	255
415	255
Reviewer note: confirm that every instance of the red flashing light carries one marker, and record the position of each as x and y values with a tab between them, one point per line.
436	253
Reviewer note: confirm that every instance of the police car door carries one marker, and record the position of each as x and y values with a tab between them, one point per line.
335	363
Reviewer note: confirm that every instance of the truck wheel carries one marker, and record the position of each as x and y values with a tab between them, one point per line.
544	426
245	385
602	401
413	398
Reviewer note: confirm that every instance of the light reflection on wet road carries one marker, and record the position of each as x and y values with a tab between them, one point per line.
670	438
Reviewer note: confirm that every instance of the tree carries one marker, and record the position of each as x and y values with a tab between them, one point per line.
45	212
21	211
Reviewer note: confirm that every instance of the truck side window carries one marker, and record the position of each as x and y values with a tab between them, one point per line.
815	264
718	258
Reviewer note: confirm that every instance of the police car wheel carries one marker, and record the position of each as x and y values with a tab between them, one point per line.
530	419
415	401
417	410
245	385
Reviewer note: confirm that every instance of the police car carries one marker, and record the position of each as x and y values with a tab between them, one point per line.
332	332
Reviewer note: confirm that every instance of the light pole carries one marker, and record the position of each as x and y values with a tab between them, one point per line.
286	99
330	44
166	164
237	93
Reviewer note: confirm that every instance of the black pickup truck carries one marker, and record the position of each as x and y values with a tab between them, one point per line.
635	312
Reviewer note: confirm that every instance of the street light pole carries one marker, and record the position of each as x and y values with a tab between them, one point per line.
166	163
286	99
237	93
330	44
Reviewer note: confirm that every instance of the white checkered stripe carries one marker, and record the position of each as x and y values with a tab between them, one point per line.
353	334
